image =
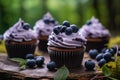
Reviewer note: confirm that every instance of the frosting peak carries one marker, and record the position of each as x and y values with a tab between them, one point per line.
66	36
45	25
20	32
93	28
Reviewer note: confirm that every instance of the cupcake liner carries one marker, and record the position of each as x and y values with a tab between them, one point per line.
20	50
42	45
71	59
95	45
99	45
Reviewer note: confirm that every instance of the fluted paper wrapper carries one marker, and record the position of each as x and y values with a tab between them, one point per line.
19	50
70	58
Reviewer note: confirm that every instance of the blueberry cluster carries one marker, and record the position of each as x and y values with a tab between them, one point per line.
106	55
38	61
66	28
26	26
32	61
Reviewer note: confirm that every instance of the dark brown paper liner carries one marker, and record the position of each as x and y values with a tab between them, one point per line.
98	44
19	50
69	58
42	45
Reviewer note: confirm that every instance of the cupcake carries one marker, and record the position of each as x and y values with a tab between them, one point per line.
96	34
66	46
43	28
20	40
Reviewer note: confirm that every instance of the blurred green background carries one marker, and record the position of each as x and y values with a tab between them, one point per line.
75	11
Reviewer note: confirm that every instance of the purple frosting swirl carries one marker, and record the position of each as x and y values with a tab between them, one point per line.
66	41
19	34
94	29
45	25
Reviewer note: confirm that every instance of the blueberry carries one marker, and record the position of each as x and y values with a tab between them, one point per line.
114	48
110	51
118	53
88	22
107	56
103	50
66	23
52	20
63	28
43	59
26	26
89	65
39	61
30	63
29	56
101	62
93	53
68	31
99	56
57	29
46	20
74	27
51	65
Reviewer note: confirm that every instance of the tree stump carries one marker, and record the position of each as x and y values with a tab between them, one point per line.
9	70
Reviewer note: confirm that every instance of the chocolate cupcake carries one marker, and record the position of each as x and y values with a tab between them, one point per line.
20	40
96	34
66	46
43	28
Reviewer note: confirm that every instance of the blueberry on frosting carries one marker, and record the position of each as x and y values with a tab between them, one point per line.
56	30
63	29
66	23
68	31
74	27
52	20
47	21
88	22
26	26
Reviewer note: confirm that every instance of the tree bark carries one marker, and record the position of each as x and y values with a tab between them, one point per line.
44	6
111	14
80	11
96	8
3	22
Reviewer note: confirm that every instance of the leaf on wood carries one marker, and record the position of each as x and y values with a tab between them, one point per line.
62	73
106	71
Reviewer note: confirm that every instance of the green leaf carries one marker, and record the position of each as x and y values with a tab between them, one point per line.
22	67
106	71
61	73
18	60
111	64
21	62
112	78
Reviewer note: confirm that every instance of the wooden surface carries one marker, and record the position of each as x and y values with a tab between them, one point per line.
11	69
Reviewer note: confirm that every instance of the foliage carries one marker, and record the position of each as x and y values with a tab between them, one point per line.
62	73
2	47
22	62
114	41
76	11
112	69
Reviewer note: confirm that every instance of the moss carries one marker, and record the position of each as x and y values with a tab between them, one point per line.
114	41
2	47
